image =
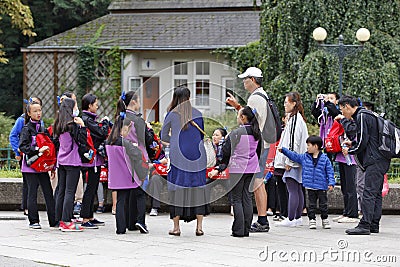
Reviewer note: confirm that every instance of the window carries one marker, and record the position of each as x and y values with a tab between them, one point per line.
202	68
180	82
202	92
135	84
180	68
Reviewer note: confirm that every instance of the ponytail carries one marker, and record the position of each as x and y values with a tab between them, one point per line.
123	102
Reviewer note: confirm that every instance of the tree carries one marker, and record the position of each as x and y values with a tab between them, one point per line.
291	60
21	18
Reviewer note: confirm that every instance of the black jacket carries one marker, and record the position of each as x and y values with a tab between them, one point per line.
25	138
365	147
98	133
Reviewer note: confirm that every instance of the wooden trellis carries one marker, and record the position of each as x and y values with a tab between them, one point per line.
48	74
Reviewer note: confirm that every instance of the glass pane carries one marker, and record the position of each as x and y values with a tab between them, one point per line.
180	82
206	68
180	68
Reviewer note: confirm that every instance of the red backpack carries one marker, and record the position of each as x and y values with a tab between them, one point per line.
86	149
332	143
47	160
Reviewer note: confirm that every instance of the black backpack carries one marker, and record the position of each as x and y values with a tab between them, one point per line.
272	130
389	134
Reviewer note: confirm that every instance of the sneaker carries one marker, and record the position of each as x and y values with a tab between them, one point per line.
77	208
287	223
142	228
313	224
348	220
153	212
338	218
89	225
113	211
258	228
70	227
298	222
278	218
100	209
232	211
326	224
269	213
55	227
97	222
35	226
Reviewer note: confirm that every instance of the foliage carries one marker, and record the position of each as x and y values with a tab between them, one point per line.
291	60
21	18
6	124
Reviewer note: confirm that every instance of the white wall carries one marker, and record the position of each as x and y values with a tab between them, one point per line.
159	64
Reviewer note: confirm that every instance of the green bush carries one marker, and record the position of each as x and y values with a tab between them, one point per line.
6	124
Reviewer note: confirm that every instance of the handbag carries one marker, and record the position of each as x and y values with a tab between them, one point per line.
208	146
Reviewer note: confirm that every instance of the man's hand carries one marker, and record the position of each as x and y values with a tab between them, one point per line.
231	100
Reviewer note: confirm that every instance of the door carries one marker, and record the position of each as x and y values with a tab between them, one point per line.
151	99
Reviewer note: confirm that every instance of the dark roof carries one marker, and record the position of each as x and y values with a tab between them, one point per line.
158	31
179	4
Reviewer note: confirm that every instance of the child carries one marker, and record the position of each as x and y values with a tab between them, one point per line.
241	151
27	145
98	132
317	177
69	164
120	174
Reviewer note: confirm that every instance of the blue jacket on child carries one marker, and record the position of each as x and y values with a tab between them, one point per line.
316	177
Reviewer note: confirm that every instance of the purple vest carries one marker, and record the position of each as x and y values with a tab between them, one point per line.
244	158
120	169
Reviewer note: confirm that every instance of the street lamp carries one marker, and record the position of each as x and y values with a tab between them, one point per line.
341	50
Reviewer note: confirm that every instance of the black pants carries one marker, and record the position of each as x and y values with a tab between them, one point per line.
242	204
33	180
130	209
320	196
348	188
282	195
90	193
372	195
272	194
68	177
156	185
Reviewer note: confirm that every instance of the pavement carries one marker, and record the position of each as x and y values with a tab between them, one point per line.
298	246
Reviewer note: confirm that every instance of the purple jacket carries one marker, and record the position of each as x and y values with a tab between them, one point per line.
120	169
68	152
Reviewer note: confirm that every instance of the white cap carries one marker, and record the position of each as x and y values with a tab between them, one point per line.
251	72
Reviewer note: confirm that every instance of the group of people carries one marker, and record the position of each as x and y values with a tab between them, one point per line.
299	162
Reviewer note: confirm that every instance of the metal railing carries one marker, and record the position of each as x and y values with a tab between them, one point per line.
8	159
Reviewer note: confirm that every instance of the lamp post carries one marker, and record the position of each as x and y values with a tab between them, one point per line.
341	50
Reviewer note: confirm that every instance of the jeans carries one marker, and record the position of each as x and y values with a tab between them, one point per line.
242	204
90	193
68	177
313	197
33	180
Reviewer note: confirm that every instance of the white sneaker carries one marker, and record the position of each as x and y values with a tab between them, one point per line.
313	224
287	223
326	224
298	222
348	220
153	212
338	218
270	213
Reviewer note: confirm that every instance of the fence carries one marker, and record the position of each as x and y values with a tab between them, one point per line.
7	159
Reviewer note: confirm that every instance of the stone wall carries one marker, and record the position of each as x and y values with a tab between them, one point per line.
11	192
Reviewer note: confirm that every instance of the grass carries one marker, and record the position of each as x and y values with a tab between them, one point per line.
13	173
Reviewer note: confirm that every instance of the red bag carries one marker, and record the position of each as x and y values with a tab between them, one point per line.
332	143
385	188
47	160
103	175
160	169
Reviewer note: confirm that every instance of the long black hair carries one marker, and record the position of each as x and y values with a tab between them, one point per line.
252	120
116	130
123	102
65	117
180	104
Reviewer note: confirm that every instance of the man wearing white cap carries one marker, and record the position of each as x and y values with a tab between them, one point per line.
252	79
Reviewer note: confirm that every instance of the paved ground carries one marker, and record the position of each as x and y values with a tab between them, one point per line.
20	246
